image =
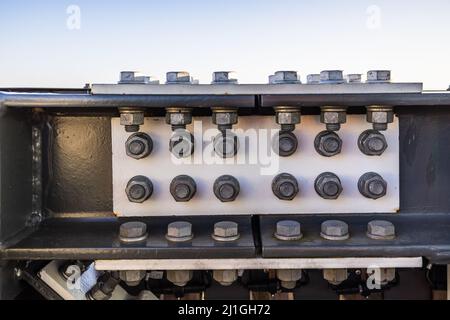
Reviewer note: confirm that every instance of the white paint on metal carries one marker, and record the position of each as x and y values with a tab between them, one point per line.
256	195
256	89
258	264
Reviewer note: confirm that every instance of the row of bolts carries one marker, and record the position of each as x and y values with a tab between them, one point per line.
227	231
286	116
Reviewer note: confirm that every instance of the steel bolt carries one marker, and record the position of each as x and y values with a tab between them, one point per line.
224	77
285	143
334	230
178	117
289	278
372	143
328	144
133	232
132	278
226	144
226	231
180	231
139	146
288	230
180	278
333	117
224	118
139	189
335	276
285	186
284	77
371	185
225	277
183	188
381	230
332	76
328	186
288	117
133	77
178	77
131	118
226	188
377	76
182	144
380	116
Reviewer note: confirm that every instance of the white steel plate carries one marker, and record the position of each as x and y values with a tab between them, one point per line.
256	195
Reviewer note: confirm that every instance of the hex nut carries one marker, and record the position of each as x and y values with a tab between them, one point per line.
289	278
225	118
285	143
372	143
333	117
139	146
180	231
178	117
182	144
288	230
371	185
328	144
225	231
132	119
334	230
328	186
285	187
288	117
224	77
139	189
180	278
178	77
226	188
381	230
332	76
380	116
134	231
226	144
376	76
183	188
132	278
225	277
335	276
284	77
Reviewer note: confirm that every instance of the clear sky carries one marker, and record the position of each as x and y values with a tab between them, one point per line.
70	43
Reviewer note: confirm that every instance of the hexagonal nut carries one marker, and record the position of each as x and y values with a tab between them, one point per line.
180	118
132	278
133	230
284	77
381	230
372	143
181	77
226	144
225	118
334	230
290	275
132	118
288	117
182	143
226	188
288	230
285	187
225	277
332	76
379	76
139	189
226	230
380	117
179	231
179	278
333	117
224	77
328	186
328	144
139	146
183	188
371	185
285	143
335	276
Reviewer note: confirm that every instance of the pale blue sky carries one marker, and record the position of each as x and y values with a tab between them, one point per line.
254	38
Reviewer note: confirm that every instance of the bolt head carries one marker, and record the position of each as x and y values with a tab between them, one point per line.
226	188
178	77
183	188
285	186
372	186
139	146
132	278
284	77
380	229
224	77
226	229
225	277
179	278
372	143
179	118
285	143
133	230
139	189
380	117
225	118
132	118
226	146
379	76
328	186
288	117
179	230
288	230
335	276
333	117
328	144
332	76
334	230
181	144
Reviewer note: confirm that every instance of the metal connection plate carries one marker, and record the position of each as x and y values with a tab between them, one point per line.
416	235
255	168
258	264
255	89
98	238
